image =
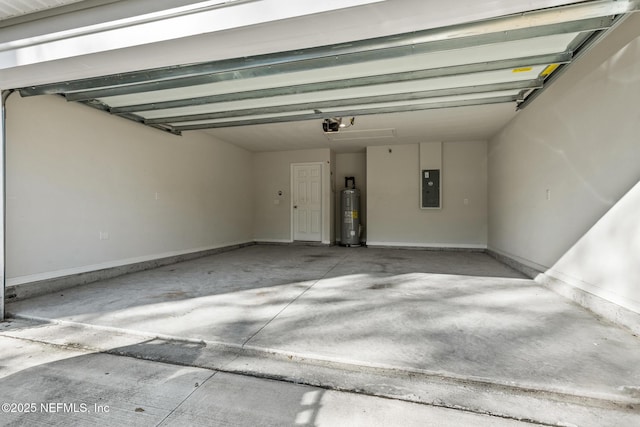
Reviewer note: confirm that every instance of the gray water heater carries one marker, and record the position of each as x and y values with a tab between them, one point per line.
350	213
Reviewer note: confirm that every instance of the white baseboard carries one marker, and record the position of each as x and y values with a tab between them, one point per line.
536	268
479	247
573	289
39	284
20	280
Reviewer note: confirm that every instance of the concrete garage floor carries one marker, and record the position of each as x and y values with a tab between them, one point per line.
450	329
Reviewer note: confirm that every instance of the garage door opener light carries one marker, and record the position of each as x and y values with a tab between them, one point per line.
334	124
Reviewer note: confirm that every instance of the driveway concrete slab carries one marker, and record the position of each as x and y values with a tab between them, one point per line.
42	384
408	385
45	385
270	403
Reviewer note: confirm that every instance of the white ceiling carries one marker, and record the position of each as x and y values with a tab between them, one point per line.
476	123
96	38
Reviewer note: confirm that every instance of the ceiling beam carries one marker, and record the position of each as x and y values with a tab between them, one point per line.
456	70
135	118
341	113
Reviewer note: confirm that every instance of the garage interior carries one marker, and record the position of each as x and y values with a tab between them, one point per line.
170	194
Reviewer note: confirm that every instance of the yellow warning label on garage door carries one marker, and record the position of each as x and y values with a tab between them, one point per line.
550	69
354	214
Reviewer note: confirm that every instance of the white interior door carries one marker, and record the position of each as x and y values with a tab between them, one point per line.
307	202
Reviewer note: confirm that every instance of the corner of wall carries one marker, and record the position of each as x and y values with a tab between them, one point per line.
563	197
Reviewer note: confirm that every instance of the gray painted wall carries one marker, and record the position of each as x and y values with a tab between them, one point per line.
74	172
579	140
272	173
394	217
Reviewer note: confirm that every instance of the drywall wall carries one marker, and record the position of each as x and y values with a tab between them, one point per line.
86	190
394	217
567	160
604	262
355	165
272	174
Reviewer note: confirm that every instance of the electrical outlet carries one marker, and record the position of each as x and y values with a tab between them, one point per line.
103	235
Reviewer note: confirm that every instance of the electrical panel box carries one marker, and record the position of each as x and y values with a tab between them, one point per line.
430	188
